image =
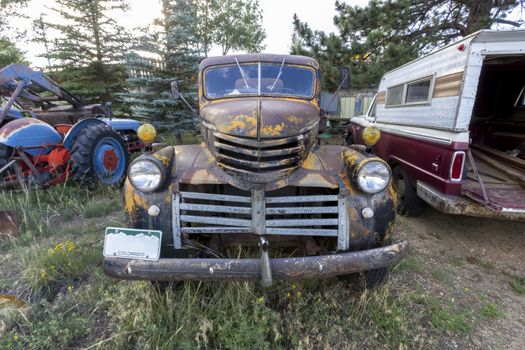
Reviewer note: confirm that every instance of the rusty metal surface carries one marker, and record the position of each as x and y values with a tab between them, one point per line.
8	223
250	269
261	117
463	206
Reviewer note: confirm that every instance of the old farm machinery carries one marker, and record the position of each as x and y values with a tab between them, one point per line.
48	135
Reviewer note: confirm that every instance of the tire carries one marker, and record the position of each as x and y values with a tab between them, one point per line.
99	154
366	280
408	203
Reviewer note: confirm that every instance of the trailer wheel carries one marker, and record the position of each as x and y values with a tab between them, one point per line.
408	203
367	279
99	154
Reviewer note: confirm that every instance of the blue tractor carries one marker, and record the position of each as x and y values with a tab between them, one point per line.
48	135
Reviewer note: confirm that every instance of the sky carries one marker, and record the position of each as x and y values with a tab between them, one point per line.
277	20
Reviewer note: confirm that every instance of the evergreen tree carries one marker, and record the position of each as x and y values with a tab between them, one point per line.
178	40
386	34
9	53
166	51
88	55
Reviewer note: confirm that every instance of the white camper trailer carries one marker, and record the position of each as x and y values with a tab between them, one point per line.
453	127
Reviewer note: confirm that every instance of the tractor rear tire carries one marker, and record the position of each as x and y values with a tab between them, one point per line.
99	154
408	202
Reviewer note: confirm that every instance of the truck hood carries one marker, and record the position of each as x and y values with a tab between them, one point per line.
261	117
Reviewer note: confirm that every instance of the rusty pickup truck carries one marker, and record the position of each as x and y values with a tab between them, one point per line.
258	199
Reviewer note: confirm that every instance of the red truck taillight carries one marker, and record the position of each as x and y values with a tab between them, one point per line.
456	166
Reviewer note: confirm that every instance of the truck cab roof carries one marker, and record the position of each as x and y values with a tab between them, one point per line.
258	57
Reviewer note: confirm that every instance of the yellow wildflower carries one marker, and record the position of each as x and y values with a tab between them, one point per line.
70	246
260	300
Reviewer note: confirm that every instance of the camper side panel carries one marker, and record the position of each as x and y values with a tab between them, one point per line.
445	68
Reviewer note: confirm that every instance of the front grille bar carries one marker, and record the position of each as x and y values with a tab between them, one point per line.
265	143
214	214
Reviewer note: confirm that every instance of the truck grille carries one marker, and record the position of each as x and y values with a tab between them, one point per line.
322	215
258	156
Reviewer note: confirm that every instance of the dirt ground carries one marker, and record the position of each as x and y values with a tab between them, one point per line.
470	260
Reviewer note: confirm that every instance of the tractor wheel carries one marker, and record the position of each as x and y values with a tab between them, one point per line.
99	154
408	203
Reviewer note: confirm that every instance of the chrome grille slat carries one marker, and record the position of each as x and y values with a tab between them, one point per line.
302	210
215	197
215	208
301	222
309	215
215	220
301	232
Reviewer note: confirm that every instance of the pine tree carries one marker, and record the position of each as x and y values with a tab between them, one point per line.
88	55
166	51
386	34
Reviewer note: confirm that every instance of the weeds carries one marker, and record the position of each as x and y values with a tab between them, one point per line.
491	311
517	284
445	318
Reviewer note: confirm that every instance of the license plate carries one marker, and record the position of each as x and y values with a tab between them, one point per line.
132	243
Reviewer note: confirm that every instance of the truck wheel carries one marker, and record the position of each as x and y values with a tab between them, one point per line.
99	154
408	203
366	280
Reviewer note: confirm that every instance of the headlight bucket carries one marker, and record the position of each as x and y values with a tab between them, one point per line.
146	174
372	176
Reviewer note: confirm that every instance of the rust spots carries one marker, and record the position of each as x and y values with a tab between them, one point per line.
133	200
273	130
312	162
242	124
316	180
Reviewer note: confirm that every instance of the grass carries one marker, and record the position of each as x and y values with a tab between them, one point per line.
449	318
54	266
517	284
491	311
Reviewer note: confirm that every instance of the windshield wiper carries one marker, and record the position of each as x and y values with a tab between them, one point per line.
242	73
278	75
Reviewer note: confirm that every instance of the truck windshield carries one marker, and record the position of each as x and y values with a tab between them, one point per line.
259	79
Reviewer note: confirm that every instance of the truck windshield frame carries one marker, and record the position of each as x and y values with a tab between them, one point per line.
259	79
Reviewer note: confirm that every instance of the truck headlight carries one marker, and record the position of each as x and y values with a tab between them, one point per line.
146	174
373	176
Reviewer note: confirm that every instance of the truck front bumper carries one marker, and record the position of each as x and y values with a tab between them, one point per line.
250	269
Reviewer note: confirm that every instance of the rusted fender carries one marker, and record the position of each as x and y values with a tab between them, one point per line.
250	269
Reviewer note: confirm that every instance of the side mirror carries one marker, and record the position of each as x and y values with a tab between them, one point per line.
175	90
344	74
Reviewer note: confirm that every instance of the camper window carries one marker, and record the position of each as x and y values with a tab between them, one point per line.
418	91
414	92
394	95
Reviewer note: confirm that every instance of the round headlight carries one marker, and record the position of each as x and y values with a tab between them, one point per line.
145	175
373	176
